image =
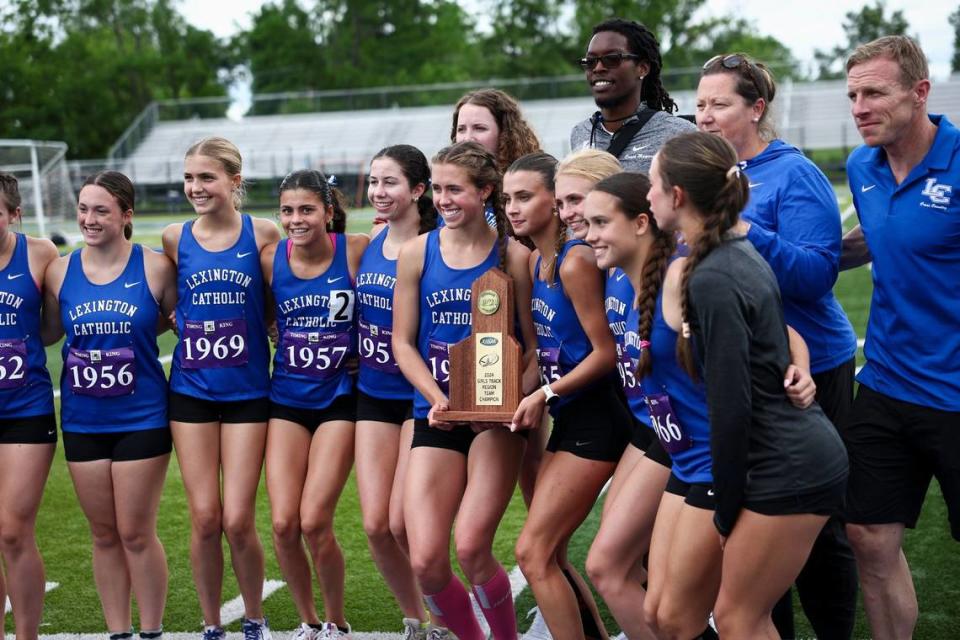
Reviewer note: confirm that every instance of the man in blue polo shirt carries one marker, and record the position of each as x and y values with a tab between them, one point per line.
905	423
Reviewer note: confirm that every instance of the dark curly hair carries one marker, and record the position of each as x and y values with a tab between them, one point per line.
516	135
642	42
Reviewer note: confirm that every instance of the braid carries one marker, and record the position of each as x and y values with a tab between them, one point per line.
654	271
706	242
502	237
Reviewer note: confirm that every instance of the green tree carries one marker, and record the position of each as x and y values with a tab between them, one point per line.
955	23
526	40
859	27
81	70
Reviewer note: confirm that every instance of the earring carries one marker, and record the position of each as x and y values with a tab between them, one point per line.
756	120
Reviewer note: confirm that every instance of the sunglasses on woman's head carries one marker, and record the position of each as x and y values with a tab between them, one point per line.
609	60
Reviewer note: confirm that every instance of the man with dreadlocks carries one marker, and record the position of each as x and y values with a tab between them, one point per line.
623	66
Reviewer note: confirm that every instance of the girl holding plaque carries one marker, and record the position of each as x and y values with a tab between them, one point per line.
577	356
220	377
112	298
28	425
310	435
778	471
397	188
461	472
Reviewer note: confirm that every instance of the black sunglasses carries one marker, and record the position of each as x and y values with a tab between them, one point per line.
609	60
737	61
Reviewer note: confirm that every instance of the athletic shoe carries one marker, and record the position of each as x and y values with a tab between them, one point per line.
214	633
330	631
123	635
305	632
255	630
439	633
413	629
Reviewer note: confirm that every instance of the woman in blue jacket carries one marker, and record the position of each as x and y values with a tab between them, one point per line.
793	221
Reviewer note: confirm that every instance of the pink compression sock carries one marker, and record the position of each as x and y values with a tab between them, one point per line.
496	602
451	608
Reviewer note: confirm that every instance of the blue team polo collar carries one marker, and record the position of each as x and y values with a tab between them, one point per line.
938	156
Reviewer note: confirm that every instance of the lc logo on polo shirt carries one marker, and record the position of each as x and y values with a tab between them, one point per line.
939	194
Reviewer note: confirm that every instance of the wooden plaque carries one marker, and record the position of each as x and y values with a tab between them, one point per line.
486	367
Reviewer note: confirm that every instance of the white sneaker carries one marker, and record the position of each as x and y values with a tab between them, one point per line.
255	630
305	632
413	630
330	631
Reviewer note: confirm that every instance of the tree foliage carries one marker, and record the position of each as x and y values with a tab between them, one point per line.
860	27
81	70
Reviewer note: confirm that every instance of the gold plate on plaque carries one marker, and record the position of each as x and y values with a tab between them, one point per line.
488	302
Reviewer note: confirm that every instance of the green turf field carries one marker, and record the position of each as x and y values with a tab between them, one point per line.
65	541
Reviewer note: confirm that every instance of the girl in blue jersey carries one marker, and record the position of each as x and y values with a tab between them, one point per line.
577	357
28	427
397	189
576	174
465	473
112	298
312	399
220	379
685	557
778	471
793	221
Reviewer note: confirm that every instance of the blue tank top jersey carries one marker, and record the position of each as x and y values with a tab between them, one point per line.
676	403
111	380
445	312
379	374
561	341
25	387
315	322
222	354
618	299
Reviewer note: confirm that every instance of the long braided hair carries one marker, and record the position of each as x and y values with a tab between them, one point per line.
643	43
413	164
481	167
545	165
631	189
705	167
318	184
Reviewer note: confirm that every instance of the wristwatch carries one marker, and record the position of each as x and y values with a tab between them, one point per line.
552	398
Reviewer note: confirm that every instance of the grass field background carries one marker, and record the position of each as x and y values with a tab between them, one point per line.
64	538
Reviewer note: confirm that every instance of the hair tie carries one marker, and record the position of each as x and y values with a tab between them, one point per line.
685	329
332	181
733	171
644	344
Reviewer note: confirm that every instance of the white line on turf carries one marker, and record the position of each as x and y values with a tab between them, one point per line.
232	610
163	360
49	587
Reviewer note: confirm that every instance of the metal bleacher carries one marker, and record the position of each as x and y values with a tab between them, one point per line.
809	115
